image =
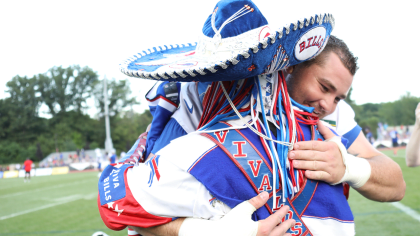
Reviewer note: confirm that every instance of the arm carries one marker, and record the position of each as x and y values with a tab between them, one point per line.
386	181
412	156
237	222
323	161
169	229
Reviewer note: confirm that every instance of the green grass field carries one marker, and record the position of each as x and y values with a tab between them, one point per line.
66	205
375	218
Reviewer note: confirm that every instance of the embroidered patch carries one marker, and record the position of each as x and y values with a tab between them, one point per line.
310	43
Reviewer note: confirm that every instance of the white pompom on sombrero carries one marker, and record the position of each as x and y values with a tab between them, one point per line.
236	43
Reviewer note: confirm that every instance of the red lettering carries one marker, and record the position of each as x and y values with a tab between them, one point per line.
265	183
313	42
239	149
288	216
277	207
255	170
317	42
302	46
320	43
309	42
221	138
298	228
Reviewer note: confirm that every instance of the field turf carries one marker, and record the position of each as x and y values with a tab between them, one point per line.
66	205
375	218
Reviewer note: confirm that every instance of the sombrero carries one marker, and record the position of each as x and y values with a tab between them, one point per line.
236	43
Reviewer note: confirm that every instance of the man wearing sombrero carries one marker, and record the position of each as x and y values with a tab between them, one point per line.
205	174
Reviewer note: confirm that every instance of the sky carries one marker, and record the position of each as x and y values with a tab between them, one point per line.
38	35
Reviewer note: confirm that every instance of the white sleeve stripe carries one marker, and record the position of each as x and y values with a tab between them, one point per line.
163	103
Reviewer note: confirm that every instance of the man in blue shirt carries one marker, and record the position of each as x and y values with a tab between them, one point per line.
113	158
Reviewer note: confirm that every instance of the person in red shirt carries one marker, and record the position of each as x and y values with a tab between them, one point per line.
28	166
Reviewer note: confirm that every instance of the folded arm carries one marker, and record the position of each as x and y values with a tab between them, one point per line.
237	222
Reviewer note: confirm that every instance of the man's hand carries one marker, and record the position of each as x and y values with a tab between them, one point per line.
321	160
272	226
418	114
238	222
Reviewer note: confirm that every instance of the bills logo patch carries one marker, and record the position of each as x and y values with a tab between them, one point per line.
310	43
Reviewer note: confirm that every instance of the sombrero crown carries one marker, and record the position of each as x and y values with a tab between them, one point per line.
236	43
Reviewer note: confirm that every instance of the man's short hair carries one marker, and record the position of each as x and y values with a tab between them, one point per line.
340	48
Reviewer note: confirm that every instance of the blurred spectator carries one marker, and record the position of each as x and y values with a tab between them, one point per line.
407	132
27	165
98	158
412	156
113	158
17	166
369	136
394	137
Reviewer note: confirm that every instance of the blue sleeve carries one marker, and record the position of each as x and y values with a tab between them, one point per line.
159	122
171	131
162	104
344	140
352	135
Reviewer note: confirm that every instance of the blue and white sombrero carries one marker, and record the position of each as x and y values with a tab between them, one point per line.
236	43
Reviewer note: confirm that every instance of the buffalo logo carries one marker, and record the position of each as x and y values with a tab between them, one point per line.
154	171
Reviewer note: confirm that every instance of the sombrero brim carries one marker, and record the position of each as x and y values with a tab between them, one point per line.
285	47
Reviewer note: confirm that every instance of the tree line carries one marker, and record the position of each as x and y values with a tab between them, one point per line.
396	113
64	93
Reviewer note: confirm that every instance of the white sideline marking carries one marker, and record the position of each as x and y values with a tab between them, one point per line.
407	210
42	189
68	199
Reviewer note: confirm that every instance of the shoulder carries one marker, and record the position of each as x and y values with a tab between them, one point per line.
185	150
342	110
343	122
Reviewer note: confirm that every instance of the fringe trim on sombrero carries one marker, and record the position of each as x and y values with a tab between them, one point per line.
276	65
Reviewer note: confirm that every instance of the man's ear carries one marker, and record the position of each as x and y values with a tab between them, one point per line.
290	69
